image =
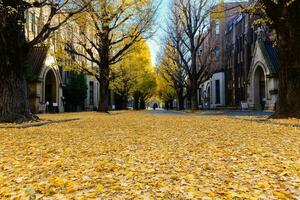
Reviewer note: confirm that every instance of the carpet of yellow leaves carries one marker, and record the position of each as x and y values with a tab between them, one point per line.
135	155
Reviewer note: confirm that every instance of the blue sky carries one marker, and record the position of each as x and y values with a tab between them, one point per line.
155	43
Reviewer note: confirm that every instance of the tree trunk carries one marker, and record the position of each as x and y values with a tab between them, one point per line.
136	97
14	104
142	104
180	99
194	96
104	90
124	102
171	104
288	104
104	53
181	103
285	20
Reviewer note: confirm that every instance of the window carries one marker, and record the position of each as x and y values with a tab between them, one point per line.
31	25
217	53
29	22
200	95
217	27
36	25
91	93
218	95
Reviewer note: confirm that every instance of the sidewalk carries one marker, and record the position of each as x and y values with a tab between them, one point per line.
258	116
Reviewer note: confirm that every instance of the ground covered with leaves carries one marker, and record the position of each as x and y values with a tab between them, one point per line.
137	155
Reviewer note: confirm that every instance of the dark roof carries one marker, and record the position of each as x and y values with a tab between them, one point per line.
273	55
36	58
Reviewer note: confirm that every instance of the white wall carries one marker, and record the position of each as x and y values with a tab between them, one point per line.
211	86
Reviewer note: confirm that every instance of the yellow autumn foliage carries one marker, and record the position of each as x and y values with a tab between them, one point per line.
129	74
218	12
140	155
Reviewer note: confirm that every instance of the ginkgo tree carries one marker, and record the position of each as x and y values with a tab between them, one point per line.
127	75
145	88
165	92
106	32
14	47
173	73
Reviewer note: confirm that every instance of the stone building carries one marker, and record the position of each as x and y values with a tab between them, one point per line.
44	80
251	65
46	76
263	76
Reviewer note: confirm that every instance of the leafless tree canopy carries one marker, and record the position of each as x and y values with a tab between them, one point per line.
188	31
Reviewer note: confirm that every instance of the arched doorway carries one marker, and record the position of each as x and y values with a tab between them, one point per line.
259	88
50	87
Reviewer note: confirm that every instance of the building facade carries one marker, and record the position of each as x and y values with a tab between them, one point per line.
243	60
262	84
212	92
239	39
251	64
47	76
44	79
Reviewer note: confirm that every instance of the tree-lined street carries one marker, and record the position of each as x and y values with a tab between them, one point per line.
149	99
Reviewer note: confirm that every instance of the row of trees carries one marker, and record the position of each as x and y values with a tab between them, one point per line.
134	76
111	28
108	30
131	76
187	55
132	79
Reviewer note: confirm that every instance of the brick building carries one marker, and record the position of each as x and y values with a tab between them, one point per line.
251	64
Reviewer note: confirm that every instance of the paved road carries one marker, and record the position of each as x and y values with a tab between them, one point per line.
236	114
215	113
169	112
